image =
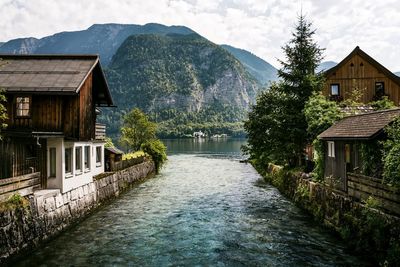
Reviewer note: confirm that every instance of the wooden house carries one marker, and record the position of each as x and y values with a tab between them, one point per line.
51	104
343	140
360	71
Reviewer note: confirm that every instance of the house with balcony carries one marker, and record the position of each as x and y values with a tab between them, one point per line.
359	71
52	105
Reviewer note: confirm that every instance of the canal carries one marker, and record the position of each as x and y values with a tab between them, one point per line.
204	209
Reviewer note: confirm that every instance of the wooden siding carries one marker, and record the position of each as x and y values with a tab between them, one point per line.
20	156
361	77
72	115
24	185
361	187
336	167
87	111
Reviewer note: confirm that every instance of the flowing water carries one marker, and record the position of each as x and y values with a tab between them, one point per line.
204	209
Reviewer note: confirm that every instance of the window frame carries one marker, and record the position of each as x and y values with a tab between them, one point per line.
69	173
78	160
29	106
331	149
383	88
86	158
338	89
52	162
98	159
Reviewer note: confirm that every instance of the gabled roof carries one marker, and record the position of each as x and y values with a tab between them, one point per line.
368	58
53	74
364	126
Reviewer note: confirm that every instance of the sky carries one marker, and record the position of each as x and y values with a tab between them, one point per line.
259	26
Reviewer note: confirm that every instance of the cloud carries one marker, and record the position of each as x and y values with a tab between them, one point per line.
260	26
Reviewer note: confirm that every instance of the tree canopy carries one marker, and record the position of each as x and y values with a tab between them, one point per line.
137	129
277	126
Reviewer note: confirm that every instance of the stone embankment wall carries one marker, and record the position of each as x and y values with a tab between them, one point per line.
49	212
365	228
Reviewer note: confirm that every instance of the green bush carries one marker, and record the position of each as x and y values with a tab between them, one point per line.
382	104
158	152
391	158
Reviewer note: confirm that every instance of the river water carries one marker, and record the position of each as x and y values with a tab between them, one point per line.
204	209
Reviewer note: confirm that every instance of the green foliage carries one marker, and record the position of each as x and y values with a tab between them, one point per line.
133	155
3	112
354	96
391	159
320	114
302	193
14	202
137	129
215	119
277	126
382	104
109	143
371	158
372	202
158	152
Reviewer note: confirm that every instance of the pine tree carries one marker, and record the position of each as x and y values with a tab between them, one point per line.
277	128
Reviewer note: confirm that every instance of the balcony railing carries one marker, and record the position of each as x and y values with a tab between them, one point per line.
100	132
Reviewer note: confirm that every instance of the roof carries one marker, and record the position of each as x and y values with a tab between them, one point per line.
114	150
53	74
364	126
368	58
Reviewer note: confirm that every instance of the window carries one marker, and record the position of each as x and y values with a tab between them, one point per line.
68	161
347	150
87	158
379	88
335	90
331	149
52	159
23	107
98	156
78	159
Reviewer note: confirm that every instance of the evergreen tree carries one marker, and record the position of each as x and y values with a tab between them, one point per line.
277	126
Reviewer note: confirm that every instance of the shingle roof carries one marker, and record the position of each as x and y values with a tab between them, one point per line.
114	150
364	126
62	74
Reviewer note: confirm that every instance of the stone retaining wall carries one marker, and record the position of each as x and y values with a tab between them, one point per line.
365	228
49	212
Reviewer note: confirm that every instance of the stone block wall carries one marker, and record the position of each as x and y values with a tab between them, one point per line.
365	228
49	212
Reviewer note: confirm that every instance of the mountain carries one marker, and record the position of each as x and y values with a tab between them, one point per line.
326	65
260	69
184	82
102	39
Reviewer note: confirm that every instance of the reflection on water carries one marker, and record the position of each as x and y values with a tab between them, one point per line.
201	210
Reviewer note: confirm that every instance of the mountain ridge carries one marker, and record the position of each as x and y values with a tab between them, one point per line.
263	71
186	83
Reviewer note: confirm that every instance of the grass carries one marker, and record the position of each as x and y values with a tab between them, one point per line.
13	202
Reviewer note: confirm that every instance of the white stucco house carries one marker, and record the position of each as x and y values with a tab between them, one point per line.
52	104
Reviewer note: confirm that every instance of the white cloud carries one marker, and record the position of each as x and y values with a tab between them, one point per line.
260	26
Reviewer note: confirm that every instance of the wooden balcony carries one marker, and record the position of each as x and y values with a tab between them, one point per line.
100	132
